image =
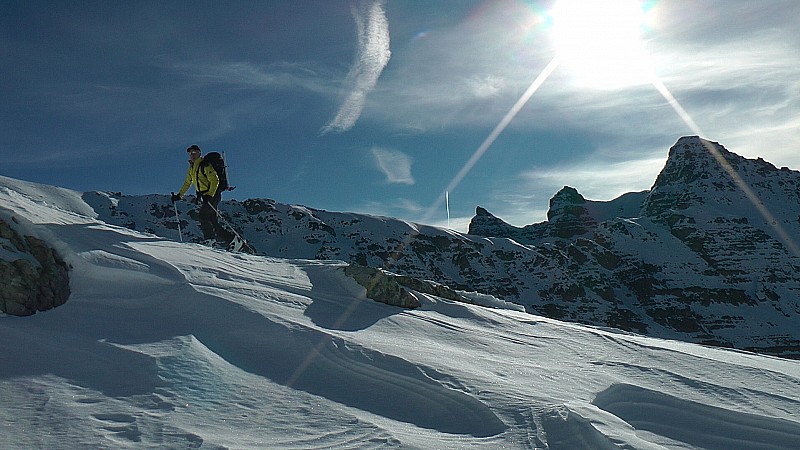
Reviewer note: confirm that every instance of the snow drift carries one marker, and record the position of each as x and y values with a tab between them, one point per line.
169	345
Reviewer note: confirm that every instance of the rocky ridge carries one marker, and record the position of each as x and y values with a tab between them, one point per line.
708	254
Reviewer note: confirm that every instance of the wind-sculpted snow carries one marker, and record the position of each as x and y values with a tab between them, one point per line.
171	345
320	363
670	417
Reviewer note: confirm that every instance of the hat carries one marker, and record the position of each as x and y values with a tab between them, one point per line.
192	148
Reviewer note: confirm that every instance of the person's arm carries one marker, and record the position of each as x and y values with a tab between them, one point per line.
187	183
213	180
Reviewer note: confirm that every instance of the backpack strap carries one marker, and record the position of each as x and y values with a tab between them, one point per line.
197	178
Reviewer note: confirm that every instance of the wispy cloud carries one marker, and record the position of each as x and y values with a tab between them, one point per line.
611	181
595	178
469	74
247	75
373	55
394	164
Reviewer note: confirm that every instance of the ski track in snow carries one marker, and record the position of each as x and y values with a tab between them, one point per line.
168	345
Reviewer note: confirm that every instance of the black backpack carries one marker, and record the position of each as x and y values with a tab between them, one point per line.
216	161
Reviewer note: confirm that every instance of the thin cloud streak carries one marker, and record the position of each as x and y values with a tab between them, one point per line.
246	75
373	54
394	164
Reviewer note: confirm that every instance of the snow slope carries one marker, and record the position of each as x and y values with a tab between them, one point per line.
708	255
170	345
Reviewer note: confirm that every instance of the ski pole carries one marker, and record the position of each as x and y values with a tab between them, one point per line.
178	219
227	172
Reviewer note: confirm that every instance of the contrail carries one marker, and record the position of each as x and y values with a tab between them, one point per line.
537	83
373	54
447	203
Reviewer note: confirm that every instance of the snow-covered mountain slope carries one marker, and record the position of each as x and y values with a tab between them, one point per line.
708	255
170	345
710	252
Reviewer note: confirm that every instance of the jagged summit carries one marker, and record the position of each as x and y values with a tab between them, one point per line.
704	155
715	231
487	224
698	173
568	215
703	174
481	212
693	164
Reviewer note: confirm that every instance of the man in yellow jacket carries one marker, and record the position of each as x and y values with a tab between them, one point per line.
206	183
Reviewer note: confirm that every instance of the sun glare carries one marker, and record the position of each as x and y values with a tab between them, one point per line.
600	42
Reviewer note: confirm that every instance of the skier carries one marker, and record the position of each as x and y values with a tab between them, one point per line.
206	183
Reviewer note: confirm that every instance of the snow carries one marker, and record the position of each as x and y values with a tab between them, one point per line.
171	345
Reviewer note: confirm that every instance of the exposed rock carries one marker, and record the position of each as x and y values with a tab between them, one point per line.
382	286
387	287
486	224
568	214
34	277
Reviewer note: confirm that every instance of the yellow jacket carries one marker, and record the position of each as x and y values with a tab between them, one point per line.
204	178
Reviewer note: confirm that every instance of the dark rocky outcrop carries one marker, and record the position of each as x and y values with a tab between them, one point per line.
568	214
382	286
35	278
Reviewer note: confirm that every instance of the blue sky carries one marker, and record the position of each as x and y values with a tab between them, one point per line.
377	106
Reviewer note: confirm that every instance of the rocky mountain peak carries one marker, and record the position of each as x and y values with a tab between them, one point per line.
703	174
567	197
693	160
482	212
568	214
696	172
487	224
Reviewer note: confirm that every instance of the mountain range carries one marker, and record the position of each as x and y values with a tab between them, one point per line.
708	255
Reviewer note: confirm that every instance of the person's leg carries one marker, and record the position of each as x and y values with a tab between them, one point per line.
208	218
220	232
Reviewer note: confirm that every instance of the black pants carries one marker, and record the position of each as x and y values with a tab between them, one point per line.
208	220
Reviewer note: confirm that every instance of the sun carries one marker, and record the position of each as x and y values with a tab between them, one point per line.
600	41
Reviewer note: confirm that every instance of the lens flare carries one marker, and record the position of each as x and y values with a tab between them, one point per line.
600	42
506	120
601	39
